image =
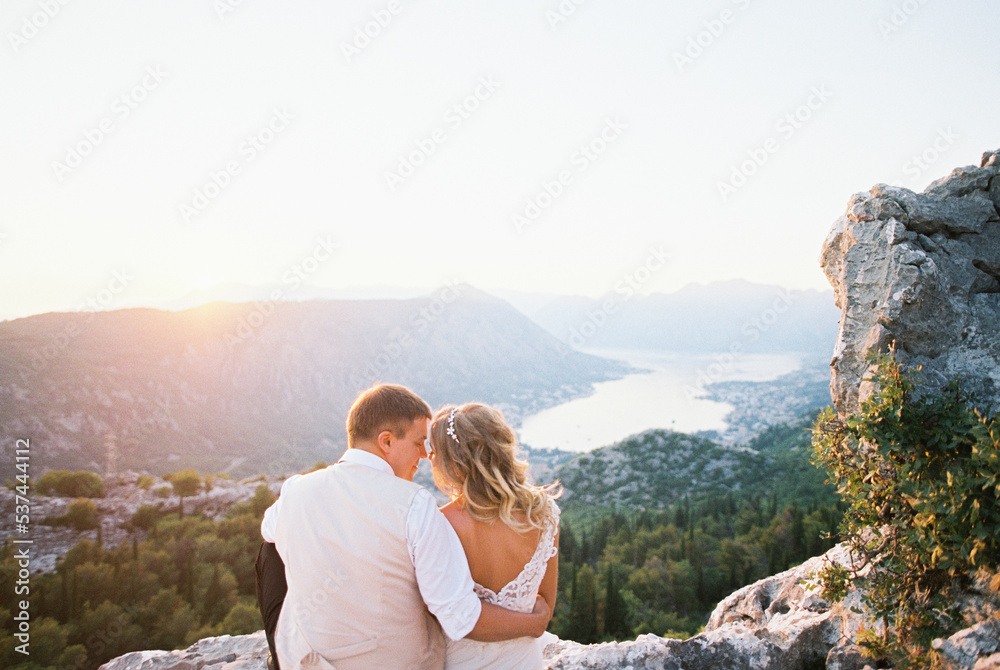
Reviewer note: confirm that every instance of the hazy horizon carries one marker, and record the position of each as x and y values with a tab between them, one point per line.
200	296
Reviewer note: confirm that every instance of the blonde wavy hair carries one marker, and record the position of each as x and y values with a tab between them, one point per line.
483	469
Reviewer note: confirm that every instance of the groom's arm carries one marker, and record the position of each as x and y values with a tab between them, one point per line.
496	623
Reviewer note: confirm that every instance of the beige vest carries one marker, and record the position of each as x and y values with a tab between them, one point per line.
353	601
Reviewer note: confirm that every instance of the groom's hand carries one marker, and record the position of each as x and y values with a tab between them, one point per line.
542	608
496	623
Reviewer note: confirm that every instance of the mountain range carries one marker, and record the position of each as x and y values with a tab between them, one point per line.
262	386
732	316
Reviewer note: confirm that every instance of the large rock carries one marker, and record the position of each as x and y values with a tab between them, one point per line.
241	652
780	622
921	271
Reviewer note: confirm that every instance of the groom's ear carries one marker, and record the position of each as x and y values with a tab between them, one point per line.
384	441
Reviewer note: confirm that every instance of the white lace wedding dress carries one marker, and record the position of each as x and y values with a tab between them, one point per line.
523	653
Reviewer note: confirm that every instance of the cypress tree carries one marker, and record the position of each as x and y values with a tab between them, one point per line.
214	601
615	610
582	626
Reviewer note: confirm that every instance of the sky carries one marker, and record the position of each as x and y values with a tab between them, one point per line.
148	150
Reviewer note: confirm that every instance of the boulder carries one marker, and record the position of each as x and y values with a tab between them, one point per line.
778	622
920	272
226	652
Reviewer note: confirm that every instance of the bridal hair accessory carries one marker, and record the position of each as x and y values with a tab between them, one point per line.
451	426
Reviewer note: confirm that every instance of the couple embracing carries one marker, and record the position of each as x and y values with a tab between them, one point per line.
379	577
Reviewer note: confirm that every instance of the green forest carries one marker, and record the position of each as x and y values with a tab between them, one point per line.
663	573
189	578
626	571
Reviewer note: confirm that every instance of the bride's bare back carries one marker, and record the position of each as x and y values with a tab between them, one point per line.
497	554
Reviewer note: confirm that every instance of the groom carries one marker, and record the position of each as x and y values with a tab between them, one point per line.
374	570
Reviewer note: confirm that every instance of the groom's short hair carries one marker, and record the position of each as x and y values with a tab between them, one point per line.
384	407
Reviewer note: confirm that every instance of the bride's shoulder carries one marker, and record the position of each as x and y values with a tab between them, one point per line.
456	514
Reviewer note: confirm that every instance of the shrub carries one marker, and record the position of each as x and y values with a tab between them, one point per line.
921	474
145	517
185	482
263	498
79	484
81	514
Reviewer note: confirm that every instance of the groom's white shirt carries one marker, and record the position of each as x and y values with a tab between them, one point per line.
439	561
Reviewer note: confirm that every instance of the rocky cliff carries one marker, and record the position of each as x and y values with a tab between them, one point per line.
921	271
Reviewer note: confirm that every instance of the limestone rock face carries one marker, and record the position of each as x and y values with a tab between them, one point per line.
921	271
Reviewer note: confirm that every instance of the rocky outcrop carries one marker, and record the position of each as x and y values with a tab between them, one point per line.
921	271
123	495
241	652
778	622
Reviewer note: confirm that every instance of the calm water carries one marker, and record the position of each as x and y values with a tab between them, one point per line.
667	394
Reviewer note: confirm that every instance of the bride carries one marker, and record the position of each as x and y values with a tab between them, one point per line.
508	527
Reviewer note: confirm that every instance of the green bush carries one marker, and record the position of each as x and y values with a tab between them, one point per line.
79	484
921	475
82	514
145	517
263	498
185	482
